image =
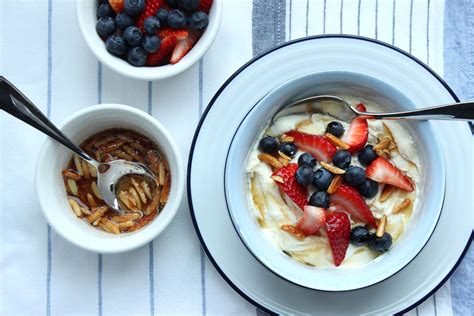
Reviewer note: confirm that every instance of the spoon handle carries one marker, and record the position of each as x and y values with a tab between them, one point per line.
14	102
454	111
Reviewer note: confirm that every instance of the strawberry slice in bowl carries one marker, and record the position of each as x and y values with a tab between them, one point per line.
312	221
318	146
286	181
358	132
349	199
338	229
381	170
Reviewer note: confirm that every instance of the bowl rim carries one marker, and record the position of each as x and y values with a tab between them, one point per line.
220	270
270	94
148	73
173	205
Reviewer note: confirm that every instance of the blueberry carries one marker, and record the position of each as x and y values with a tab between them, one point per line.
188	5
151	25
354	176
304	176
342	159
137	56
306	160
105	26
162	15
133	7
369	188
176	19
133	35
151	43
367	155
322	179
116	45
268	144
359	235
123	20
319	199
288	149
380	244
335	128
105	10
198	20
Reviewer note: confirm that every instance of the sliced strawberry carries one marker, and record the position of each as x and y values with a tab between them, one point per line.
318	146
166	47
183	47
151	7
353	203
179	34
205	5
358	132
312	220
338	228
117	5
289	186
381	170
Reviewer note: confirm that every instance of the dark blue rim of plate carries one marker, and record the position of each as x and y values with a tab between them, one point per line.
211	103
280	275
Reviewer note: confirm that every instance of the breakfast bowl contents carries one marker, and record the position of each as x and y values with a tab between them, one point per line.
328	192
149	39
140	199
67	187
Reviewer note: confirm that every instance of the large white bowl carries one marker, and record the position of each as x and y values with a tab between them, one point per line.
52	195
420	227
87	18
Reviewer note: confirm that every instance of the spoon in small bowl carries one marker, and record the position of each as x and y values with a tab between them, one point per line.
344	111
109	174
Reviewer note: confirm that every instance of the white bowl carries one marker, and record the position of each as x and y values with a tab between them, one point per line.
420	227
87	18
52	195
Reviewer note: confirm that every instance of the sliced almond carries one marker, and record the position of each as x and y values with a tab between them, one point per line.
78	164
92	171
382	153
381	226
400	207
332	168
85	210
294	231
97	213
125	225
383	143
387	191
72	186
303	123
71	175
335	184
272	161
278	179
96	222
287	139
336	141
165	192
95	189
121	154
85	170
284	156
75	207
155	202
127	200
126	217
111	227
283	161
146	189
162	173
91	200
140	191
136	198
133	153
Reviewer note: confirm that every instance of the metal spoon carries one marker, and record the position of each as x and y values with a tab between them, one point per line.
109	174
342	110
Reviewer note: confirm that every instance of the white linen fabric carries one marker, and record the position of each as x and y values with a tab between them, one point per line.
42	52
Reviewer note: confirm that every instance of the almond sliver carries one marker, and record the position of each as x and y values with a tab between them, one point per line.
332	168
336	141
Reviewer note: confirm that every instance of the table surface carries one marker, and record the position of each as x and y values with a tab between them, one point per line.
42	52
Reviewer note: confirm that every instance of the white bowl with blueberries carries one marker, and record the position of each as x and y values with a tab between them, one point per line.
149	39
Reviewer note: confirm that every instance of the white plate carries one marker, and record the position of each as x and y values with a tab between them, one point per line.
206	178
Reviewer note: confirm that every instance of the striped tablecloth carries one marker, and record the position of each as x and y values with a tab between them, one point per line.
42	52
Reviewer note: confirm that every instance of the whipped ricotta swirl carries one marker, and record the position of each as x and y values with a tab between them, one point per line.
272	208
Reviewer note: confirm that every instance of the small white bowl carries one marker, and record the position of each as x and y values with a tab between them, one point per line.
52	195
87	18
421	225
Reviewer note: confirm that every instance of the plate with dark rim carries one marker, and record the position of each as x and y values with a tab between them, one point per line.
236	97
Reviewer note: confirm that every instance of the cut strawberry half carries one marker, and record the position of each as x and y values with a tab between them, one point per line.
312	220
165	50
151	7
338	228
205	5
116	5
358	132
183	47
179	34
353	203
318	146
289	185
381	170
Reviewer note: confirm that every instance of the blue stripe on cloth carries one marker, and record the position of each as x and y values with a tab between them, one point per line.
48	114
99	257
459	73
